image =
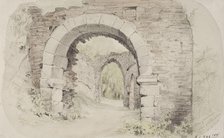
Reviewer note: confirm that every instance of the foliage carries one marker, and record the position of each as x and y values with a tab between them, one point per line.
38	108
72	105
163	128
112	82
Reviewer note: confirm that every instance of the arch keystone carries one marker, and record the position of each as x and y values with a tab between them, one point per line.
93	18
108	19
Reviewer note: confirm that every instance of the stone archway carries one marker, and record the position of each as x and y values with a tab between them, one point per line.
124	60
75	29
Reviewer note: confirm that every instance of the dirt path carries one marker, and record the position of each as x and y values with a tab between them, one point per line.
103	121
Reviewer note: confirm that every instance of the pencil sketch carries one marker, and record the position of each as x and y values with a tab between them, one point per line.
121	68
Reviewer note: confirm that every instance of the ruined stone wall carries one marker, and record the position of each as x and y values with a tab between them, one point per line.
162	24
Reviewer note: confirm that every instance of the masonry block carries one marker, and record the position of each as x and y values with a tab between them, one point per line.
70	37
143	51
148	101
60	62
57	95
144	60
46	94
80	20
46	71
44	83
57	73
59	33
145	68
118	23
148	112
128	29
57	107
107	19
137	40
56	83
48	58
93	18
69	24
51	45
61	50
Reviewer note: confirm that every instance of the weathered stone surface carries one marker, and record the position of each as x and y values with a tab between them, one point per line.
44	83
128	29
56	83
107	19
60	62
148	101
56	95
49	58
46	71
163	29
69	24
57	73
46	94
118	23
93	18
57	107
51	46
137	40
80	20
59	33
61	50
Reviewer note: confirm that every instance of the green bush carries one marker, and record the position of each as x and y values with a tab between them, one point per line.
163	128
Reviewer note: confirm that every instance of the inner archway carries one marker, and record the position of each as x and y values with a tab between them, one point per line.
89	59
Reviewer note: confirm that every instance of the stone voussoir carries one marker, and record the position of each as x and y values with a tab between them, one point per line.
46	71
108	19
93	18
128	28
80	20
69	24
59	33
51	45
60	62
49	58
